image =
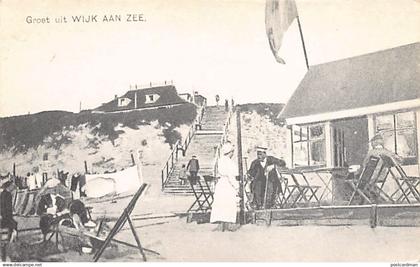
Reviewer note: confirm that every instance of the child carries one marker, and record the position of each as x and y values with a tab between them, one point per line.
183	175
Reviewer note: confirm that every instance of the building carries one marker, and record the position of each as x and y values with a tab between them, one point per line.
154	97
196	98
340	105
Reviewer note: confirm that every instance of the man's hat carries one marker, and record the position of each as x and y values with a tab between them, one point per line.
261	148
377	137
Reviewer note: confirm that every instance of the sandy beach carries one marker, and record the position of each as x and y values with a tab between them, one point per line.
176	240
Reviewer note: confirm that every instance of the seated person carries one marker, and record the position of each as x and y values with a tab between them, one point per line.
52	209
79	215
378	150
6	208
381	171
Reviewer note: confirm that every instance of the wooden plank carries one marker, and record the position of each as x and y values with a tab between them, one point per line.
408	215
374	215
321	222
383	215
199	217
321	213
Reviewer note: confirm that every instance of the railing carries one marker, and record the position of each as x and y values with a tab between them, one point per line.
169	166
150	85
173	157
193	129
222	142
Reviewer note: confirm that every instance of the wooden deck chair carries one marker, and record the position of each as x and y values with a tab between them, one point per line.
360	186
377	186
203	197
407	185
19	201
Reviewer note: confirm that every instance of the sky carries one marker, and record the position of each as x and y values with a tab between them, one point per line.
209	46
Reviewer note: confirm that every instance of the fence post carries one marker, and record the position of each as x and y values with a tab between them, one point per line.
374	215
86	168
162	181
132	159
242	219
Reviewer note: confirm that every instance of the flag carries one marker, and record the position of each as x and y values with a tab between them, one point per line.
279	15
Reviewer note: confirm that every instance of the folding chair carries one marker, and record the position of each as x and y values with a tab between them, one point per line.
360	187
299	190
407	185
326	177
308	190
282	192
203	197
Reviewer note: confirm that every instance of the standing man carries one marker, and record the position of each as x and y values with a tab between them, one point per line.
260	182
193	167
6	208
217	100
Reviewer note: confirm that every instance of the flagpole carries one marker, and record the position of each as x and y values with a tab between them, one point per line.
303	42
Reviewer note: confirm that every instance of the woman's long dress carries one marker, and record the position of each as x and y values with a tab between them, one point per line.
224	206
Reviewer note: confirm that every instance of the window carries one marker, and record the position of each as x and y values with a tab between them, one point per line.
399	133
308	146
152	98
123	101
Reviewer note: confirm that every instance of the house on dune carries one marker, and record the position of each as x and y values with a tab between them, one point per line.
339	106
147	98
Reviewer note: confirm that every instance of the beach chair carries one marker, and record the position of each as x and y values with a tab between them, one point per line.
406	185
203	196
361	185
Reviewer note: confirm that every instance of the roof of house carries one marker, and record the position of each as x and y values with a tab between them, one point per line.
167	96
378	78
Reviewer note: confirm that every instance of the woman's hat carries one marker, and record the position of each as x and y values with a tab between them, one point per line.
227	148
5	183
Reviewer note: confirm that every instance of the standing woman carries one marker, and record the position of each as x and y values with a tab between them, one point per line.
224	206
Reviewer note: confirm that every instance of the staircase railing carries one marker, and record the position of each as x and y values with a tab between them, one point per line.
169	165
173	157
193	128
223	140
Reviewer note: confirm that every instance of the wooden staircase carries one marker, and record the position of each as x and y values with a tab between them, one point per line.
203	145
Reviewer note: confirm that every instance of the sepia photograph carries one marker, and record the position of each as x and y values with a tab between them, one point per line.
283	131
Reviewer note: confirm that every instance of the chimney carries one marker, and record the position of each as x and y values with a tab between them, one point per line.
116	96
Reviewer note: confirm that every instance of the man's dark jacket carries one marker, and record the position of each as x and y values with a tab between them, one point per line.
257	172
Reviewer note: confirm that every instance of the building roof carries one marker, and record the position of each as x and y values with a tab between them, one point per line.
167	96
373	79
